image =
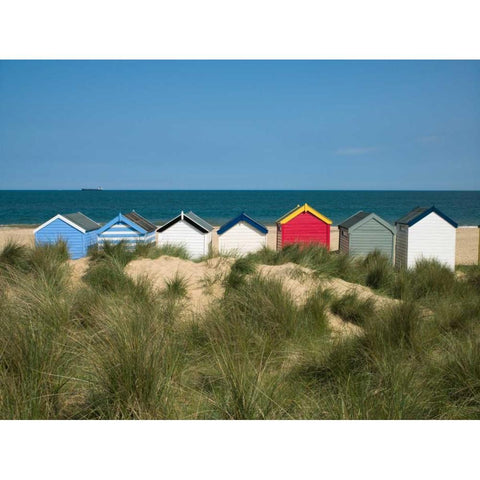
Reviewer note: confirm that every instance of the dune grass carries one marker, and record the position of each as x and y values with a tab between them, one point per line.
353	309
111	347
176	287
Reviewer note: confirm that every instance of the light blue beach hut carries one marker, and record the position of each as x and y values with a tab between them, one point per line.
76	229
130	228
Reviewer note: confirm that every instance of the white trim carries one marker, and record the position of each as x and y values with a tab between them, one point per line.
61	217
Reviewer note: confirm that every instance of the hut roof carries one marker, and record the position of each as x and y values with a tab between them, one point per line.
350	221
360	218
301	209
139	220
140	224
415	215
243	217
192	219
77	220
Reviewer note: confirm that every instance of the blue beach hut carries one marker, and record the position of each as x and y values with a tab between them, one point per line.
130	228
76	229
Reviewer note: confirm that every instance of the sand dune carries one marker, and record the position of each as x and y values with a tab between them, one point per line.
205	283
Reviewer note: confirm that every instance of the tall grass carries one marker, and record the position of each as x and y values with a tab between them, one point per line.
351	308
14	255
119	252
108	276
176	287
378	270
34	358
111	347
130	365
242	267
427	280
173	251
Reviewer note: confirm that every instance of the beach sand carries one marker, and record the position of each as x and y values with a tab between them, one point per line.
466	252
467	248
16	234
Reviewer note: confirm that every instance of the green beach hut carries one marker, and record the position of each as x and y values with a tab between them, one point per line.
365	232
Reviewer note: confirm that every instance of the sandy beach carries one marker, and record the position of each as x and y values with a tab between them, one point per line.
467	252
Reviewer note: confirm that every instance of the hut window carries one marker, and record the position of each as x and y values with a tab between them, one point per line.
344	233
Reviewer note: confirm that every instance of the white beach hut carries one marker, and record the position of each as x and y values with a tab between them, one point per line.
241	235
425	233
187	230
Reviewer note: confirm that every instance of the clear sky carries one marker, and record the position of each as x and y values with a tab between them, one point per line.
240	124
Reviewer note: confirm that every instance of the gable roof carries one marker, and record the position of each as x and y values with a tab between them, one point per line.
243	217
77	220
301	209
120	218
192	219
350	221
139	220
82	221
361	217
418	213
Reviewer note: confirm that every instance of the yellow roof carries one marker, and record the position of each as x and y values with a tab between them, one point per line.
300	209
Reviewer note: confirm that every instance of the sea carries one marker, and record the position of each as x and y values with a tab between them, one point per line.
34	207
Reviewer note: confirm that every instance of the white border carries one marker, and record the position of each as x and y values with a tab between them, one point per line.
61	217
215	29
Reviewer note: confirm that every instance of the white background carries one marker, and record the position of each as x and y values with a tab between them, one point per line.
46	29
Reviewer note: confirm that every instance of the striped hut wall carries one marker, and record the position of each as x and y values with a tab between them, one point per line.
120	232
150	237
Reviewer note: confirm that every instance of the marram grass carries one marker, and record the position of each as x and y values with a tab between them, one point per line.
110	347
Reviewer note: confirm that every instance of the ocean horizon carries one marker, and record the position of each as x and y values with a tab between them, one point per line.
217	206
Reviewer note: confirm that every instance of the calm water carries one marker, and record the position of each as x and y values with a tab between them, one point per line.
33	207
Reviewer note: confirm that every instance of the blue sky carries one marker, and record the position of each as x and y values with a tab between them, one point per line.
240	124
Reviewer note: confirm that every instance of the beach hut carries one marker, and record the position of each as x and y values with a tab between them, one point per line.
425	233
241	235
365	232
130	228
305	225
188	230
76	229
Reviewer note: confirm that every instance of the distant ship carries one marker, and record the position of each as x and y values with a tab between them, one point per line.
91	189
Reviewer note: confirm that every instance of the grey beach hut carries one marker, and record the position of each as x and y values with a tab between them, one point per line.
365	232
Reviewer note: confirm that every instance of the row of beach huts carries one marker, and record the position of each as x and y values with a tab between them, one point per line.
421	233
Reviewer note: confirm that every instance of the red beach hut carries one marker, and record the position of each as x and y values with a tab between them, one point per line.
303	224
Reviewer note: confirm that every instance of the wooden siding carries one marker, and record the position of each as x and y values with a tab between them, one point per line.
89	239
432	238
370	236
279	237
241	239
183	234
343	242
401	246
60	230
306	228
122	232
